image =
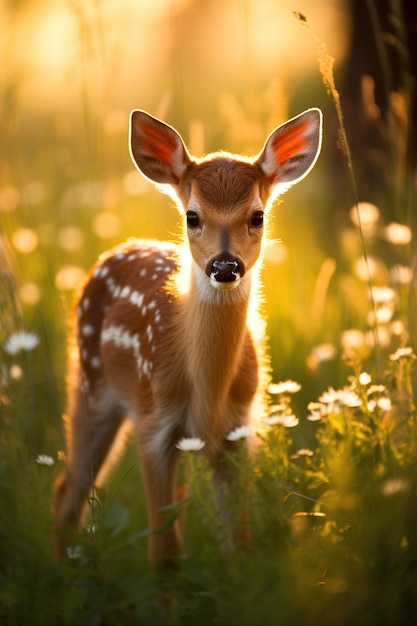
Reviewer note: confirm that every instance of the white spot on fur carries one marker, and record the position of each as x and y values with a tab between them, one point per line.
123	339
88	330
95	362
125	292
110	283
143	272
86	304
136	298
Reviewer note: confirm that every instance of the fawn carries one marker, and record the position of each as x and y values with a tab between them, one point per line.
167	334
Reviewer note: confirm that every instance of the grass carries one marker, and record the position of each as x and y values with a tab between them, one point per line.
333	481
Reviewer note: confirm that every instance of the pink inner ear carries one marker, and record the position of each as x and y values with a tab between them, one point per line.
158	144
290	142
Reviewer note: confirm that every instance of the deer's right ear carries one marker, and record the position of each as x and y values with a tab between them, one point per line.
157	149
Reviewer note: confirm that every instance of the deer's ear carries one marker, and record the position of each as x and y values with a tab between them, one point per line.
157	149
291	150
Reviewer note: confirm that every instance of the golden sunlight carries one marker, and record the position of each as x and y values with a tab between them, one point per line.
138	50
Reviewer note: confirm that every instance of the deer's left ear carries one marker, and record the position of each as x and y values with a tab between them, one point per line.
291	150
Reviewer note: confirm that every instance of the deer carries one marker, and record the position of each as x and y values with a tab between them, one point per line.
173	336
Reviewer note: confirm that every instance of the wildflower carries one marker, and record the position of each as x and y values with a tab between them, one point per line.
44	459
92	528
241	432
288	386
377	389
349	398
329	396
402	352
304	452
19	341
190	444
315	409
334	398
364	378
74	552
289	421
383	403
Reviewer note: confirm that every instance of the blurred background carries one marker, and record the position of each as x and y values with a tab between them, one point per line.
224	73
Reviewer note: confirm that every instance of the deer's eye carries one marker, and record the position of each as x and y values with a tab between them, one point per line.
257	219
193	221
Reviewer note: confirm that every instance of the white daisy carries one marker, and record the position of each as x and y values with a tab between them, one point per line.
19	341
44	459
241	432
287	386
364	378
190	444
304	452
74	552
402	352
289	421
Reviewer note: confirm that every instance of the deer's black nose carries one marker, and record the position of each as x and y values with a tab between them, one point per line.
225	271
225	268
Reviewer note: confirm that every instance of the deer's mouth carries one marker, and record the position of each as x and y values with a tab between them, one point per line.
225	271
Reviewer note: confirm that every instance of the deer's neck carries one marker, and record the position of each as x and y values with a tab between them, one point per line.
214	334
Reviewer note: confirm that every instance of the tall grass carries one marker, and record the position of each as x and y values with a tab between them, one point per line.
332	484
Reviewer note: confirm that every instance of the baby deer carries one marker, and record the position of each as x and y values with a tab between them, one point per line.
166	333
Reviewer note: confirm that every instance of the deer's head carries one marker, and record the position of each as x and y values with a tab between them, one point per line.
223	196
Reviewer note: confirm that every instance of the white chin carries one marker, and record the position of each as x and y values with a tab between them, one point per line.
224	286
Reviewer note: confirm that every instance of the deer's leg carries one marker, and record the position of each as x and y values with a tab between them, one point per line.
159	480
232	500
92	431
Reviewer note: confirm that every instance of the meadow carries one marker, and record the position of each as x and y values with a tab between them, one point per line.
333	481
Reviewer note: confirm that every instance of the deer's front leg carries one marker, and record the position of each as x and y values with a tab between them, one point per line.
158	466
232	497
